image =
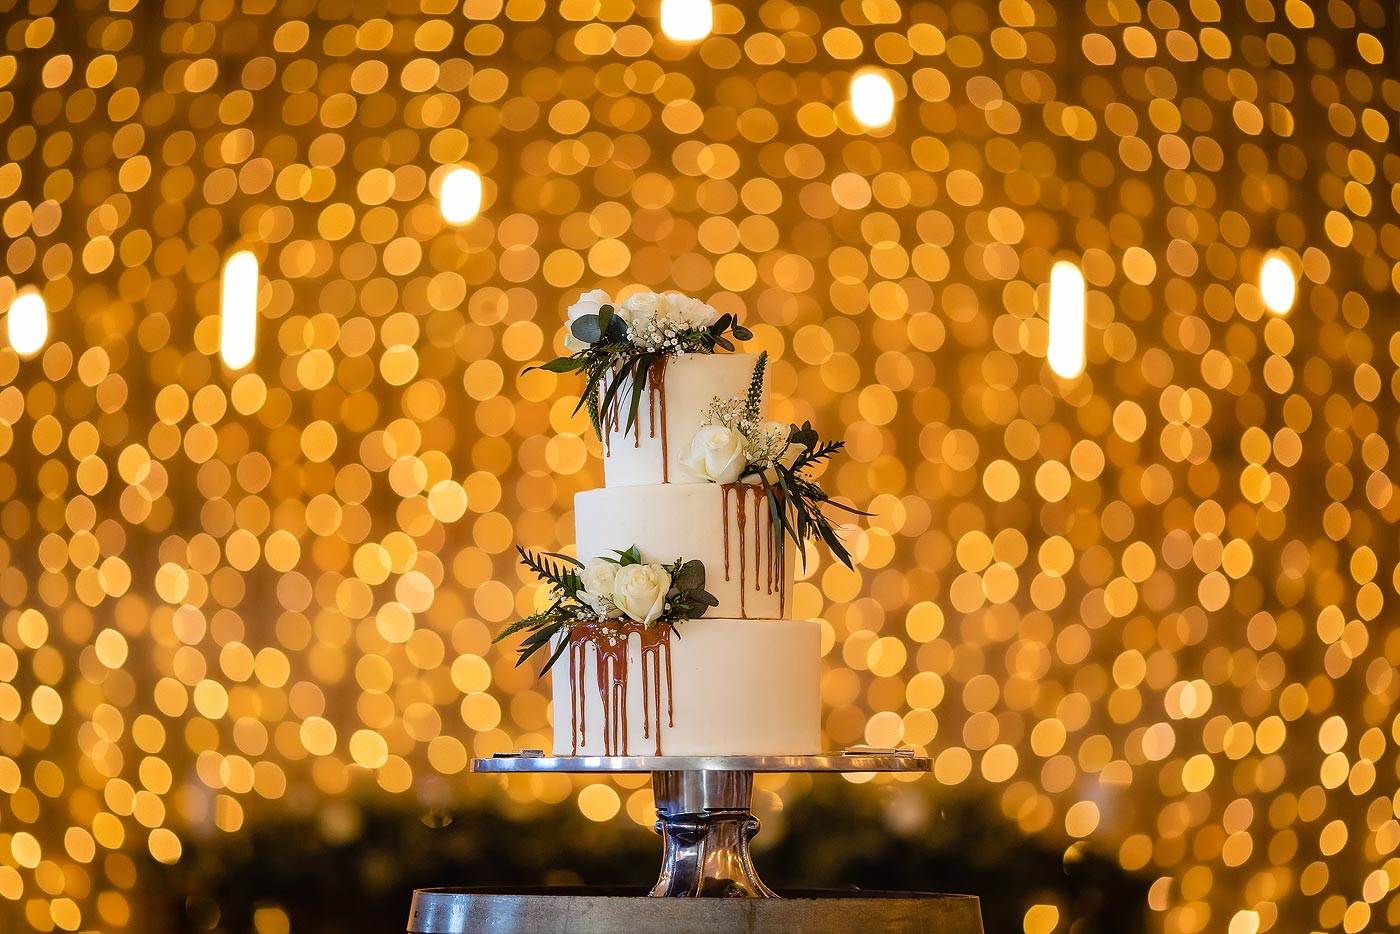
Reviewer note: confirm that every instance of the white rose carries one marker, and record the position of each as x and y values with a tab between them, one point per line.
597	577
716	453
589	303
639	590
640	305
686	313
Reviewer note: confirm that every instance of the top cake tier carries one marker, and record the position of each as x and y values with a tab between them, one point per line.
679	390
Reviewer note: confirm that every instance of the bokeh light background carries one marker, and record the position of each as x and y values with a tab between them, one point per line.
1149	610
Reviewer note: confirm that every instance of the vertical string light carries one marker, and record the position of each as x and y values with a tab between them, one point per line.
28	324
1066	350
238	314
687	20
872	99
1278	284
460	199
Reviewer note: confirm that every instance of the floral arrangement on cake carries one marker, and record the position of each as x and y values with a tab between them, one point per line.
616	344
735	446
613	595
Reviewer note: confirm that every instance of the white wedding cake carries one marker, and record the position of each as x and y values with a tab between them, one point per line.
742	679
670	633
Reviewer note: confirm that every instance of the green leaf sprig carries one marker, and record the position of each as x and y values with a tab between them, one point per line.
686	599
613	359
795	501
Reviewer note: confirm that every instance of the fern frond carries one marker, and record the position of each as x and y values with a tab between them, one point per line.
820	453
551	572
529	622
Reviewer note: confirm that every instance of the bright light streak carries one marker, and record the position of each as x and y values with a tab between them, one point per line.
28	323
1279	285
687	20
461	195
1066	350
872	99
238	315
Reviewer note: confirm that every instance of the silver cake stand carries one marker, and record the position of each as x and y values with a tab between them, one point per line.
704	806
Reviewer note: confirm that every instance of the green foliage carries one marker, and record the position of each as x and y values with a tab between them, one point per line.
561	572
795	501
625	558
612	360
686	599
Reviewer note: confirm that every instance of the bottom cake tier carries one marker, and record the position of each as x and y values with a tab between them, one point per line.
714	687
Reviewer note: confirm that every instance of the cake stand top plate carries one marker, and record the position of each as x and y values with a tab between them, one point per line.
881	761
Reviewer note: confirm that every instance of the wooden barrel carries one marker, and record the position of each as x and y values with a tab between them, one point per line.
571	910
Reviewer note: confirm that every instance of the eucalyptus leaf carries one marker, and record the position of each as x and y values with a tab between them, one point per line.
742	333
691	576
616	329
587	329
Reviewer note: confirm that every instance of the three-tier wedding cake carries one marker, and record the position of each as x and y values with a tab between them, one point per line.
671	632
742	679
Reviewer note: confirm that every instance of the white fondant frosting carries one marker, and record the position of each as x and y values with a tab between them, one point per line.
735	687
728	528
670	415
743	680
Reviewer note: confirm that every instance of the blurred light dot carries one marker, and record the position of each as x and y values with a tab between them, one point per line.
461	195
687	20
872	99
238	315
599	802
1278	284
1066	349
28	323
1041	919
1245	922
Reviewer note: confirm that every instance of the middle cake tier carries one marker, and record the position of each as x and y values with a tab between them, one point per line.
729	527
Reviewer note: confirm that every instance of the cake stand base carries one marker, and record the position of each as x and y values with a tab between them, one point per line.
704	807
607	911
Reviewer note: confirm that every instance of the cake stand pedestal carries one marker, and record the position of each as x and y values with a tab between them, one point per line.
704	807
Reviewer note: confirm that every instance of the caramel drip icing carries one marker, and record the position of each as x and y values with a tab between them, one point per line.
724	490
656	412
768	562
772	548
607	644
777	567
656	641
578	722
609	417
656	404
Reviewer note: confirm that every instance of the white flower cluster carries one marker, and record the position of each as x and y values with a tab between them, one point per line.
637	591
655	322
730	443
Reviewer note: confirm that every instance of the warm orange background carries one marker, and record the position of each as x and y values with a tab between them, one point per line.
1150	609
